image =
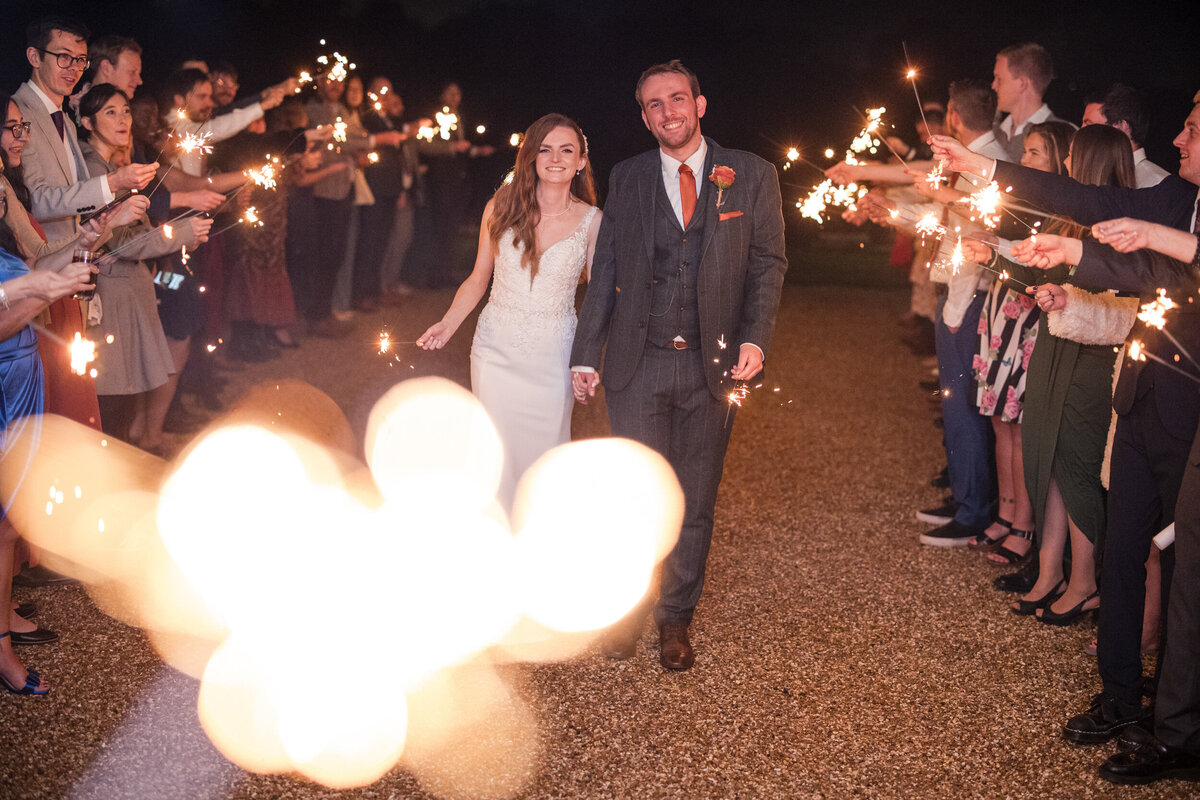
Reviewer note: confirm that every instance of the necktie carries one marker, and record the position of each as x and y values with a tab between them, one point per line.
57	116
687	192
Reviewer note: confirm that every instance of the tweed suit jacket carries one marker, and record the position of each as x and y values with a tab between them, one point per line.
1171	203
57	202
741	271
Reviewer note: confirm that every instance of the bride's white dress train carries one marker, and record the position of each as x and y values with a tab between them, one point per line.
520	356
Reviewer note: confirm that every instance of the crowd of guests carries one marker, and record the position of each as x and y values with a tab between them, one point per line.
131	215
1067	419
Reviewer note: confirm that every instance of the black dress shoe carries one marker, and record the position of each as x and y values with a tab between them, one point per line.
34	577
1151	762
27	610
674	650
38	636
1103	720
1133	737
1020	581
952	534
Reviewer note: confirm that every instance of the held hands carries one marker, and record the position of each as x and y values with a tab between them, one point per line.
436	336
132	176
584	384
1049	296
1047	250
200	228
749	363
1124	234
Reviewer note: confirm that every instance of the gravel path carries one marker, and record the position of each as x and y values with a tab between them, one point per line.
836	656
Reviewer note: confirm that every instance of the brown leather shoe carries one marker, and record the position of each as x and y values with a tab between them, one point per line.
675	651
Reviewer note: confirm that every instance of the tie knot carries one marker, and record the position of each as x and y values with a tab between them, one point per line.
684	169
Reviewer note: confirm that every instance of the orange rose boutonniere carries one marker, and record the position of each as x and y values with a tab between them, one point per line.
723	178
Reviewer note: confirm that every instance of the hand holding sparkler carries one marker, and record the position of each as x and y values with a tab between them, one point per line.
436	336
200	228
1125	234
958	158
976	251
749	363
1048	296
199	200
131	177
1048	250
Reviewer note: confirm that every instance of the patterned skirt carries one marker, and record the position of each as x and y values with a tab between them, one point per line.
1008	326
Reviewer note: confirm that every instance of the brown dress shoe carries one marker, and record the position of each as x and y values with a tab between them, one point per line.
675	651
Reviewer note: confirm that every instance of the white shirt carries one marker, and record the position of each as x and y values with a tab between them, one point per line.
217	129
1041	115
1146	172
670	171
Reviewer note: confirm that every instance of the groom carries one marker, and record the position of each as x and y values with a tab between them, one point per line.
685	283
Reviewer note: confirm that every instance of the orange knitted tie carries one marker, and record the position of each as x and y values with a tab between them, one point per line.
687	192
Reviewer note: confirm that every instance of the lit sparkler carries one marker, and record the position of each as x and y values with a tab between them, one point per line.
956	257
515	140
1154	314
447	123
937	176
168	231
481	129
986	204
912	78
195	143
929	225
83	352
339	130
264	176
373	158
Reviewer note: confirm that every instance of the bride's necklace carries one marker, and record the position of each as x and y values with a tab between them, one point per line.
570	200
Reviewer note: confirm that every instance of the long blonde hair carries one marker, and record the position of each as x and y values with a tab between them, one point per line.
515	204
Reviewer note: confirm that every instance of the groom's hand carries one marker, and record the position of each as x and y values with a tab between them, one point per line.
749	363
584	384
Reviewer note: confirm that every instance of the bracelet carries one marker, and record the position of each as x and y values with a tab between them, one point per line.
4	298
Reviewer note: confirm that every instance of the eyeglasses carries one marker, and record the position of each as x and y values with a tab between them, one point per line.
17	129
66	60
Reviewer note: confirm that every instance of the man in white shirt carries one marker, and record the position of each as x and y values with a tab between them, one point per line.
53	164
1122	108
1020	77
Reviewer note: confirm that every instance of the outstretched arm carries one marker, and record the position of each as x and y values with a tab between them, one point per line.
469	293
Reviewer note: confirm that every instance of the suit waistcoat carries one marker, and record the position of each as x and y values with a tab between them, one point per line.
675	270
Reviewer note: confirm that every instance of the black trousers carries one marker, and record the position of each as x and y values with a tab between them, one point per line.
327	251
374	228
1147	469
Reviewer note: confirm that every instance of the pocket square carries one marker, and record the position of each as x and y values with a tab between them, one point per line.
724	215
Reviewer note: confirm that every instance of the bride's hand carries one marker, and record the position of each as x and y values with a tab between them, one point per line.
436	337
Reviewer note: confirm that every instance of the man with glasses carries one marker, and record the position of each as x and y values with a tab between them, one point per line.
54	168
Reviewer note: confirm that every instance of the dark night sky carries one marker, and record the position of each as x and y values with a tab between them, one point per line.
775	73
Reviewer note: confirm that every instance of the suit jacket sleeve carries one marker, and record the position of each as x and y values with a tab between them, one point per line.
1142	271
766	263
49	198
596	314
1169	203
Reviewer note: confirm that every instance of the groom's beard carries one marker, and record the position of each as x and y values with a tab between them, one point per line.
679	136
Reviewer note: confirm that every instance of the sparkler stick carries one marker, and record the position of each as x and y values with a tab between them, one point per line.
1137	352
912	78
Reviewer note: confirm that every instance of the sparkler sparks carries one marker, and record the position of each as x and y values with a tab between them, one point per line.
251	217
447	122
264	176
515	140
824	194
1154	313
929	225
339	130
937	176
385	342
195	143
168	231
83	352
956	257
986	205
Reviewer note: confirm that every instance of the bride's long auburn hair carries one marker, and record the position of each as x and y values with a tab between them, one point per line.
515	204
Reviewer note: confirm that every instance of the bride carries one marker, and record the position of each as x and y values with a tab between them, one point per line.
538	234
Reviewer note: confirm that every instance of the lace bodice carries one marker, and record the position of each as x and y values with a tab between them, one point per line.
525	310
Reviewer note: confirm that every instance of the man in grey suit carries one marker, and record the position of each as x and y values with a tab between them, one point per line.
54	169
685	284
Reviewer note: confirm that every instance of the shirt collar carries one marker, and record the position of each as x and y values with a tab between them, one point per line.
46	101
1139	156
1041	115
670	165
981	141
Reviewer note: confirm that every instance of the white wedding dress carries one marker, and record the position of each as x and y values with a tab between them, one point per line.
520	356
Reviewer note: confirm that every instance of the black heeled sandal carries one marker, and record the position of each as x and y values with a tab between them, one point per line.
1012	557
1027	608
1069	616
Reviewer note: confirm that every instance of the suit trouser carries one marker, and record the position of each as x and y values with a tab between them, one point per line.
1147	468
1177	706
966	430
667	406
328	250
391	266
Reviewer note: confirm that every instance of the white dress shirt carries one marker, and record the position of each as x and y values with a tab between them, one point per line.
1010	129
1146	172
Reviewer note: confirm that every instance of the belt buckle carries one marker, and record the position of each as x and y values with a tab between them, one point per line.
678	345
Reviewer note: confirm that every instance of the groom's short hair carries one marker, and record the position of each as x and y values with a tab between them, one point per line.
674	65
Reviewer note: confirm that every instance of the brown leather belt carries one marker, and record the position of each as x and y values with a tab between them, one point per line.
678	345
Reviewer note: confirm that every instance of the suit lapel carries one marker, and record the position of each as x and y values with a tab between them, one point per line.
708	199
41	118
648	192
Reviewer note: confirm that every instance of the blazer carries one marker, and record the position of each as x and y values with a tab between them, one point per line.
742	265
1170	202
56	201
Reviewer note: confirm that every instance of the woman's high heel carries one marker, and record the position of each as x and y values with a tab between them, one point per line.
1070	615
1027	608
